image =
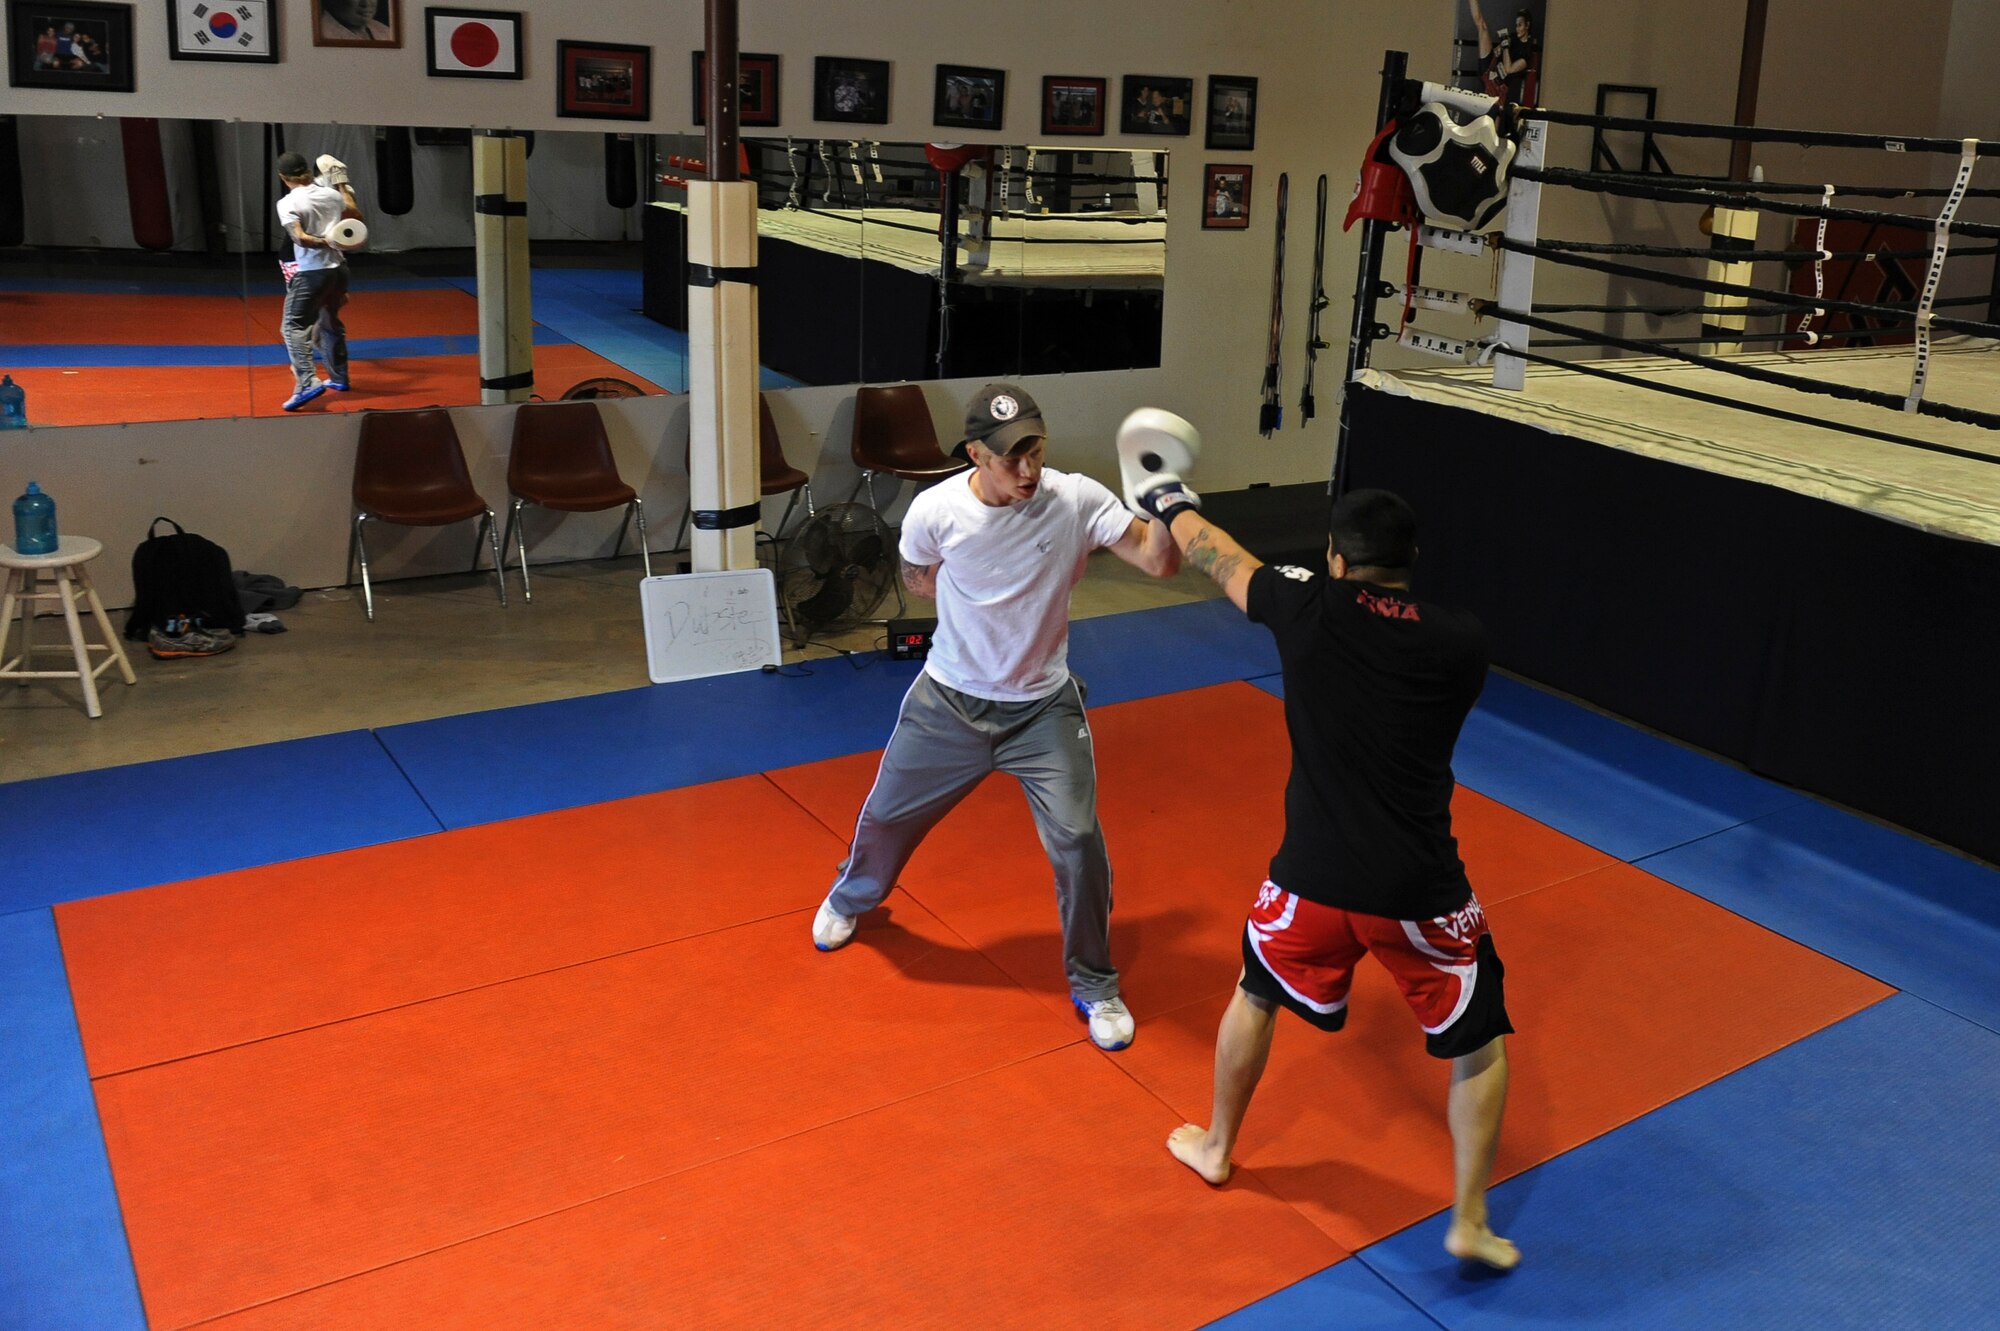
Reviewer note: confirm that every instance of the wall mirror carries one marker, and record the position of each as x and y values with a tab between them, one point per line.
1057	261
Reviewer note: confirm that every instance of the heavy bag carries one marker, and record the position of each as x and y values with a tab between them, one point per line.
13	210
621	171
395	188
146	184
181	574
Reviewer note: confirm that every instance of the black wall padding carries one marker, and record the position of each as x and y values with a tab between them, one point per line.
395	187
13	211
1819	645
621	171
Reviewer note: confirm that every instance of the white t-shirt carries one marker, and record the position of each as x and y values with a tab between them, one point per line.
1003	588
314	208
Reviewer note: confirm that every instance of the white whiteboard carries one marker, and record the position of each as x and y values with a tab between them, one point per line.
701	624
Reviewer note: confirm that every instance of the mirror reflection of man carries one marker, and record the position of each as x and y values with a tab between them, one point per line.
352	21
316	279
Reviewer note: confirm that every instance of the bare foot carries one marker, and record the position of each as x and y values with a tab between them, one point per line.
1189	1143
1477	1243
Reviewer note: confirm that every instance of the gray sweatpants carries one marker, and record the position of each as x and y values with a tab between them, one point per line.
311	323
944	744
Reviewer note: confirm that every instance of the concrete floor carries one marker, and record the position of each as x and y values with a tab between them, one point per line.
438	647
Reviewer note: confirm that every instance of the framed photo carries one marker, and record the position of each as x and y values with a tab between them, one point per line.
1232	113
756	88
1154	104
1225	198
69	46
473	44
969	98
356	23
854	91
223	30
1073	106
604	80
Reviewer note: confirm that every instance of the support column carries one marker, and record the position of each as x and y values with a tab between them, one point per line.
500	234
722	373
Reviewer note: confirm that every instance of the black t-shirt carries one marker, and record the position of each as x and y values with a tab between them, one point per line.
1377	686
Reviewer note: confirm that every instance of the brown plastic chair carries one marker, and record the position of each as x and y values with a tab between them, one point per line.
775	475
893	433
561	460
410	470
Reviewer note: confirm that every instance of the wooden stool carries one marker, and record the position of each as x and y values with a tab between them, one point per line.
25	584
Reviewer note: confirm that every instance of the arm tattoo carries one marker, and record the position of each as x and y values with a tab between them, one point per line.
918	578
1203	554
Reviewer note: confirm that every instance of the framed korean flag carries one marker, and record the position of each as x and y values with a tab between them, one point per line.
223	30
472	43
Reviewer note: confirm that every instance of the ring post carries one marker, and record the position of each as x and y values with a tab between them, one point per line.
1515	287
1368	278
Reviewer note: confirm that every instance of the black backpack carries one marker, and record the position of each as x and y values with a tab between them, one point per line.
181	575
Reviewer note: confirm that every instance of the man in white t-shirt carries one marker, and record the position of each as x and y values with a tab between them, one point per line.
1000	548
316	279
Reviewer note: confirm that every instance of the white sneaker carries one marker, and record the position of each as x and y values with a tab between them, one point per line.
1111	1024
831	929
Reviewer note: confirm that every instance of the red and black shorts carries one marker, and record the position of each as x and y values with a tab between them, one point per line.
1301	955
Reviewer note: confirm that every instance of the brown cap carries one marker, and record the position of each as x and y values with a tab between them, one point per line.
1003	417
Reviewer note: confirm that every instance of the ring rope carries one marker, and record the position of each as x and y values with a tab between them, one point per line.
1793	187
1585	180
1716	399
1799	334
1974	327
1847	392
1747	256
1689	129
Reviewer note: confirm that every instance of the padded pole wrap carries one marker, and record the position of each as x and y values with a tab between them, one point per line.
722	369
1722	319
500	237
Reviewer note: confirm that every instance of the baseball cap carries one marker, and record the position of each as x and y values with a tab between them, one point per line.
1003	417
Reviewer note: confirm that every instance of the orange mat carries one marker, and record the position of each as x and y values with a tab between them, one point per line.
181	969
1029	1197
719	1130
146	319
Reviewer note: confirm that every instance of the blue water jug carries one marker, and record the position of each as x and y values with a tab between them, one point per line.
35	522
13	404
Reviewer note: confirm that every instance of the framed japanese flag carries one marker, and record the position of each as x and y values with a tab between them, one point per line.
223	30
472	43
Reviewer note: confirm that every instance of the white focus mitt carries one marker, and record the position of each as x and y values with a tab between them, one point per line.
1154	448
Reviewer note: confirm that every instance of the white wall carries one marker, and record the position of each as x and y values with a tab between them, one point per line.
275	491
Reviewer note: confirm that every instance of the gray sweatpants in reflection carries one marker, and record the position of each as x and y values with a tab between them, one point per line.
944	744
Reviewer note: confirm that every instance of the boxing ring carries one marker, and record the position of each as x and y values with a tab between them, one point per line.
1739	547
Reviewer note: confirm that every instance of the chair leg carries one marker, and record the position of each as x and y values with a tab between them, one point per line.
779	533
78	646
867	476
15	577
111	640
490	528
517	536
361	549
638	508
353	539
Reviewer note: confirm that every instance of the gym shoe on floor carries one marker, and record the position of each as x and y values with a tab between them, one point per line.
189	642
303	396
1111	1024
831	929
339	385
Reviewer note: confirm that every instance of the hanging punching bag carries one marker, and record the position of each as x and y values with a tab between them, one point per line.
621	171
13	210
146	184
395	189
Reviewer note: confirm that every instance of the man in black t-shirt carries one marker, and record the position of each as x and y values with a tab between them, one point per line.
1377	685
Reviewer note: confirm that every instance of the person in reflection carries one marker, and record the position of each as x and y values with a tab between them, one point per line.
1000	548
352	21
1377	687
316	279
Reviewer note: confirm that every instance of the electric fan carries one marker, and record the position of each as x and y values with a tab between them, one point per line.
836	569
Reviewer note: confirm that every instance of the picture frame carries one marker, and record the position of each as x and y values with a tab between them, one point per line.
474	43
245	30
87	47
1232	113
756	89
1072	106
968	97
372	23
1156	104
1225	197
850	90
604	81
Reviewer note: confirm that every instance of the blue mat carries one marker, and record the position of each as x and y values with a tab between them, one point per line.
82	355
1606	783
63	1258
1344	1297
125	827
1919	918
1844	1182
486	766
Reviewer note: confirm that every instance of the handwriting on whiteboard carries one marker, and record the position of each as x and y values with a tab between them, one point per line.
710	623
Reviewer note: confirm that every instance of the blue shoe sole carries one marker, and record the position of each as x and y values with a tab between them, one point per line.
338	388
297	400
1083	1011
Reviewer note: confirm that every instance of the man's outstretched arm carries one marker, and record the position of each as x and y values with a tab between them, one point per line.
1207	548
